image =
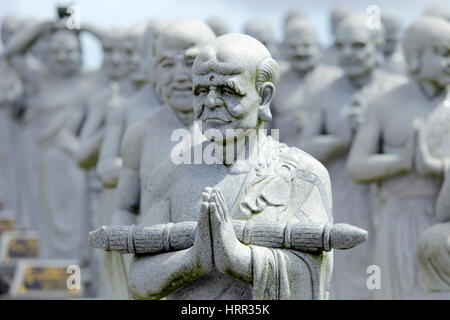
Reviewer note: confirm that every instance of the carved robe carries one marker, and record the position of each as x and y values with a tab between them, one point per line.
281	184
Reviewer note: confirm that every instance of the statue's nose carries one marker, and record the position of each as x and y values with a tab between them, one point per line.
213	100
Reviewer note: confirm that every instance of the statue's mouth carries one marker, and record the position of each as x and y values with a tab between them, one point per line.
216	120
182	90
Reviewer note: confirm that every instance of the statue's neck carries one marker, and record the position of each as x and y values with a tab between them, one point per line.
242	150
186	118
303	72
125	87
430	89
363	79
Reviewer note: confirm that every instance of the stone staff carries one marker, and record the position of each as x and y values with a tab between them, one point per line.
309	237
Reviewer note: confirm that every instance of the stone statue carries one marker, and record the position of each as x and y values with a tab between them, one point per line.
432	155
438	11
131	110
121	59
301	47
11	91
393	56
334	115
261	30
121	67
338	13
54	116
118	120
217	25
292	14
384	152
264	183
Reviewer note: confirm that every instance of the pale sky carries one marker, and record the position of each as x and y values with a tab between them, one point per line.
109	13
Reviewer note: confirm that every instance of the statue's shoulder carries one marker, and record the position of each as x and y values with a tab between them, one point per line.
309	179
394	97
307	167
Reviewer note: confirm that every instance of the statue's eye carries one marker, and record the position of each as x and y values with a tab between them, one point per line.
338	45
201	91
358	45
167	64
228	91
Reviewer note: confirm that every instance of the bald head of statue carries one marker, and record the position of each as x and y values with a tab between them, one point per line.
426	45
9	26
176	48
234	83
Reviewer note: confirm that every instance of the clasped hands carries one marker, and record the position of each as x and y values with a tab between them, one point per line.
417	154
216	245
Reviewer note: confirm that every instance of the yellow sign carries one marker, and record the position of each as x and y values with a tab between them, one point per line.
45	279
21	248
6	224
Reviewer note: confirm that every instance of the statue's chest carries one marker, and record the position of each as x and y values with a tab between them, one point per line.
397	125
335	107
136	113
186	193
289	96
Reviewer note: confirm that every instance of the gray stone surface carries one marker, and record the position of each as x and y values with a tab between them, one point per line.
405	196
233	87
333	117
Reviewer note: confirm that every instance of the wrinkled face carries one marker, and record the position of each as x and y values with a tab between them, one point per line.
435	62
64	53
225	102
121	57
356	51
174	72
302	50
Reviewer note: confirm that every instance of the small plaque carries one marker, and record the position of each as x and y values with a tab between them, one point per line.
6	223
45	279
18	245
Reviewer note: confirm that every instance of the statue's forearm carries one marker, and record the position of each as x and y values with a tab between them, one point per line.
376	167
25	40
325	147
165	273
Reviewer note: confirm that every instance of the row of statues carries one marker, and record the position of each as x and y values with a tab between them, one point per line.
356	157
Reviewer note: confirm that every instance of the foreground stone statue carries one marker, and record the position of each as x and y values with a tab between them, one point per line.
334	114
433	250
384	151
265	186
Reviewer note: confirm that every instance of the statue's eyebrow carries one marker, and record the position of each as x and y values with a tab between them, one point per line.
235	86
163	58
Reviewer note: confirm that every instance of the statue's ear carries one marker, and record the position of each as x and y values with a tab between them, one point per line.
267	94
415	62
